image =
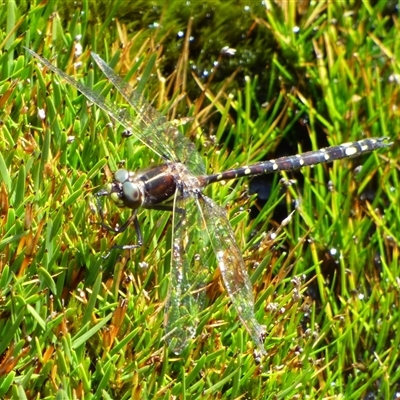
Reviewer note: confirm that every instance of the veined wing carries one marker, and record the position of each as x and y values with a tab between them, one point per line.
232	267
189	273
152	126
143	127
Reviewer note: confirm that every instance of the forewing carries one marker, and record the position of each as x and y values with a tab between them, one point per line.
142	121
232	267
189	273
152	126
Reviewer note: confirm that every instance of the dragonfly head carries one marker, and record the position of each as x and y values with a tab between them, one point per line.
123	191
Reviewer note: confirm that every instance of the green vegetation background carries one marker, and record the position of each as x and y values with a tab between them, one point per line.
303	75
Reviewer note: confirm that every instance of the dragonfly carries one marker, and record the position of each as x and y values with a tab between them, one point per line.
202	236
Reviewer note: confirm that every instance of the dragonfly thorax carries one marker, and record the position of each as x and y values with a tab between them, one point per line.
124	192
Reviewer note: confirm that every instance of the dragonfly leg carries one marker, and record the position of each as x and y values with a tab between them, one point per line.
133	219
109	228
139	244
101	213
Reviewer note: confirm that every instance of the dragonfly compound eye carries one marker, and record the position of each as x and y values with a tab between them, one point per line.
132	196
121	175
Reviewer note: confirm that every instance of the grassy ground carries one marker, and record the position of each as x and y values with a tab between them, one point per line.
75	325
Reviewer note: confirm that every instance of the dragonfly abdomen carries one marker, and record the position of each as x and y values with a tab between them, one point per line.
310	158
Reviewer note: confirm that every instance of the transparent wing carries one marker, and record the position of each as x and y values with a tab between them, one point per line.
152	127
144	122
189	273
232	267
124	118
